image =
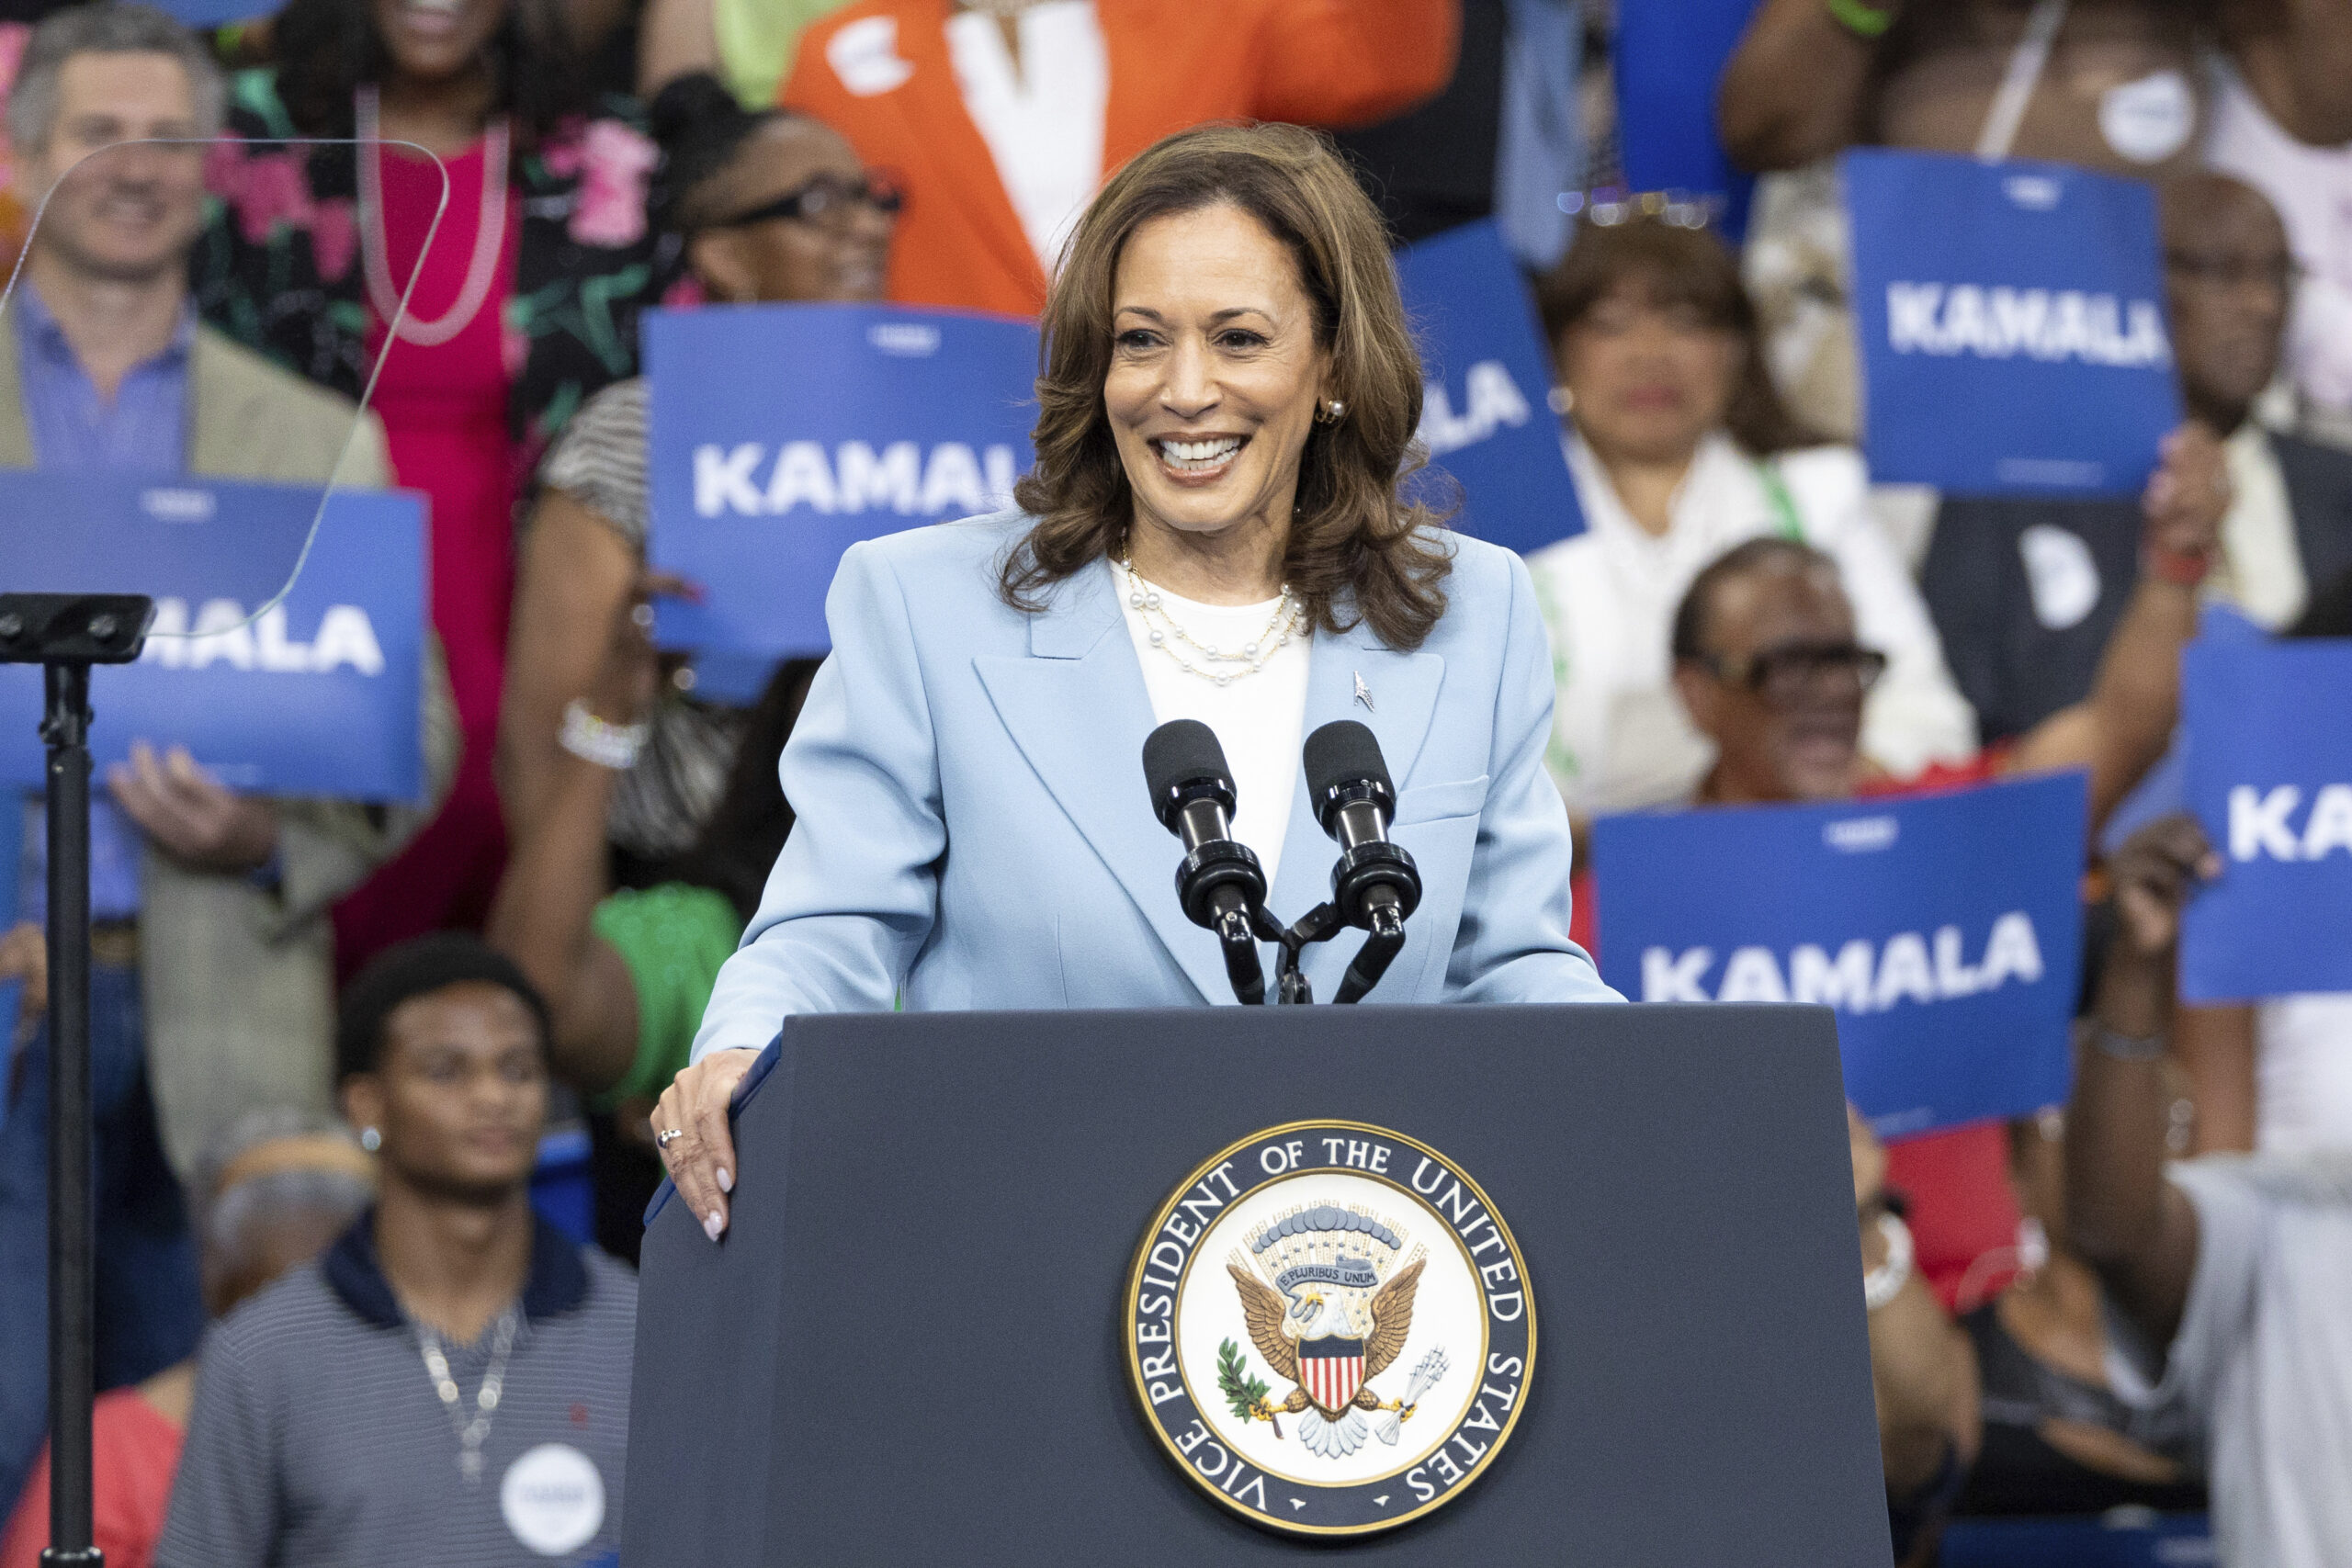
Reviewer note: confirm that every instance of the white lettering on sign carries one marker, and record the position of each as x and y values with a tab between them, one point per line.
222	635
1491	400
2261	829
749	479
1860	978
2041	323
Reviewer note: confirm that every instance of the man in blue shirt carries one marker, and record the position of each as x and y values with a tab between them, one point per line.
212	986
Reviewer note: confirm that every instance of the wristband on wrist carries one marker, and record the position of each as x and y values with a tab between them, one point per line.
592	740
2182	569
2125	1047
1861	20
1883	1284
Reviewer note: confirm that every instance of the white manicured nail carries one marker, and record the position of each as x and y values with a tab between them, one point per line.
726	1179
712	1225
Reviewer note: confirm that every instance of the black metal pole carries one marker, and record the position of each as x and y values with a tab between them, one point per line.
65	728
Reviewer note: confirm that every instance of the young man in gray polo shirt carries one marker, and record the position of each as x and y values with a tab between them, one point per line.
449	1386
2229	1278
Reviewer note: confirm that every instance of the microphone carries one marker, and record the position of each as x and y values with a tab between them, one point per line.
1219	884
1375	884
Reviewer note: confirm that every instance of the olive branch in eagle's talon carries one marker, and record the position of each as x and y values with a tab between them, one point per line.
1242	1390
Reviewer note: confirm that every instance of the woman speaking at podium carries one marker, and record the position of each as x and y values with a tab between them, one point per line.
1213	530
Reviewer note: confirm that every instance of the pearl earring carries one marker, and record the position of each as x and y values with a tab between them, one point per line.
370	1139
1332	411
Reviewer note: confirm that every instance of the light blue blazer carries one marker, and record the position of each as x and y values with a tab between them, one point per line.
973	829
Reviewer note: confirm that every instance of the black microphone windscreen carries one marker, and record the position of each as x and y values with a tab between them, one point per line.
1178	751
1341	752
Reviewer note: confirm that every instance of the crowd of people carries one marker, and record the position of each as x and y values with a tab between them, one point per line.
327	1037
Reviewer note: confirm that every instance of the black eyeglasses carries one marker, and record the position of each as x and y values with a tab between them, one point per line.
1788	672
825	200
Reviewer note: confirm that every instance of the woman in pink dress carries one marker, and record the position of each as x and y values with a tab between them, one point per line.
524	304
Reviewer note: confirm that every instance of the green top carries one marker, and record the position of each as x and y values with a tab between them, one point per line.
757	39
674	938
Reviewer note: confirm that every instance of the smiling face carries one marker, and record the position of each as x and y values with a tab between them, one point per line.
459	1092
1648	379
127	214
1216	373
1800	743
433	40
840	254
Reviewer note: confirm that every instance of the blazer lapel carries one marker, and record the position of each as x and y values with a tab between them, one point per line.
1400	691
938	123
1078	710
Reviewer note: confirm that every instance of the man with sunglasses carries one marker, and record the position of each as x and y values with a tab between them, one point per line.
1767	662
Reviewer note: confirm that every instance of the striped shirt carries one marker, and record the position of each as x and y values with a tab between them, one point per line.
318	1436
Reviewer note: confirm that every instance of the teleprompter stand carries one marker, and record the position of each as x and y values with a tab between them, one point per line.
66	634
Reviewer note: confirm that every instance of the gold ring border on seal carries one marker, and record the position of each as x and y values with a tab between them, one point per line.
1134	1366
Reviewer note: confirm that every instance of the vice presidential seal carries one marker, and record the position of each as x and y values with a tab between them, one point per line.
1329	1328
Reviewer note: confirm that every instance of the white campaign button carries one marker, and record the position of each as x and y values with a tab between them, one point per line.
553	1499
2150	119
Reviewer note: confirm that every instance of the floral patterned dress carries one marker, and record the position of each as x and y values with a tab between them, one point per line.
465	418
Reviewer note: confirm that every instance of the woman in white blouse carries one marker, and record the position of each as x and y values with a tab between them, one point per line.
1682	450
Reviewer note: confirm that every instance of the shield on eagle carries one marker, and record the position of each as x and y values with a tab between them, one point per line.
1330	1369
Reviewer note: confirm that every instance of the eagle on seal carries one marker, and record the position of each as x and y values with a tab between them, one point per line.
1330	1431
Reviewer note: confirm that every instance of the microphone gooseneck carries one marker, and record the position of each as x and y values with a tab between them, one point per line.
1375	883
1219	884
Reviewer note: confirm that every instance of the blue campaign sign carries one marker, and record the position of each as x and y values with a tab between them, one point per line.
2012	325
1486	414
1669	58
782	435
319	696
2269	774
1945	929
216	13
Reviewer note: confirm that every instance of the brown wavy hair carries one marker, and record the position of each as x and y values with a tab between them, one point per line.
1671	266
1358	551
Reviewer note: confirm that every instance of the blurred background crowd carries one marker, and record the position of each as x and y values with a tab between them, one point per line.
454	1018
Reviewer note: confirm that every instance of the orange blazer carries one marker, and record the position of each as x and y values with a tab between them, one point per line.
1173	63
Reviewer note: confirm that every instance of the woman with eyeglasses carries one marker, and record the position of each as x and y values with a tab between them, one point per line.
524	304
767	208
1682	450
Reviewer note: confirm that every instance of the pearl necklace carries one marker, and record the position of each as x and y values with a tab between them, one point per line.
1254	653
489	234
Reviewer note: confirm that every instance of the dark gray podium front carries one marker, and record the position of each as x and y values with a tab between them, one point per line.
909	1348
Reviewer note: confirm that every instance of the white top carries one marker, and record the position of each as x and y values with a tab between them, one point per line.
2303	1073
1042	121
1258	718
2261	569
2311	189
2263	1357
1621	739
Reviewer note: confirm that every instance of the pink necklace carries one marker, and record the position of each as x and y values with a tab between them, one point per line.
489	233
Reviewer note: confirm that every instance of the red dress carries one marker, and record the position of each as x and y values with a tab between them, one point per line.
444	409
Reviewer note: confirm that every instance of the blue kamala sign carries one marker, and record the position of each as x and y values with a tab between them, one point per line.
2269	766
782	435
2012	325
1486	414
318	696
1944	928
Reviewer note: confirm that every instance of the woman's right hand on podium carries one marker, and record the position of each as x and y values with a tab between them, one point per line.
690	1129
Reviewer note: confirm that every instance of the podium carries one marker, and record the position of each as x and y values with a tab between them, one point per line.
913	1345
